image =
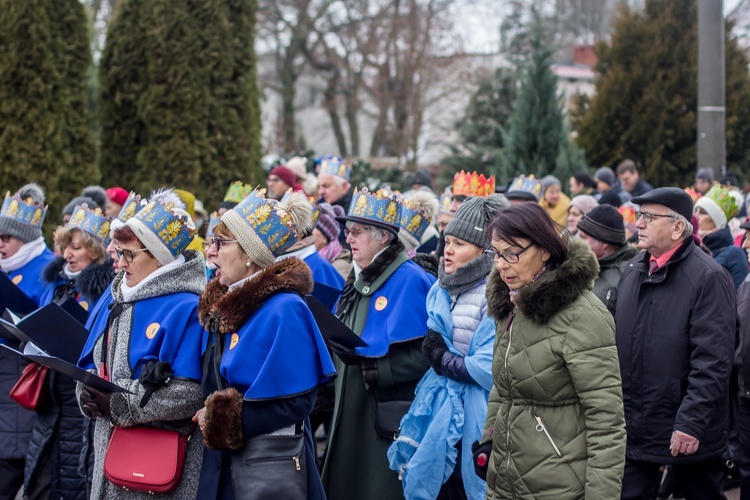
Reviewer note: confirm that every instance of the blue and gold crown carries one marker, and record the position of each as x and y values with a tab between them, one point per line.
132	206
213	221
268	220
382	208
446	199
413	220
525	184
23	211
91	221
164	233
335	165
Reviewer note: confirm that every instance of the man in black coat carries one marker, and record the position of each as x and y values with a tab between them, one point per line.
675	337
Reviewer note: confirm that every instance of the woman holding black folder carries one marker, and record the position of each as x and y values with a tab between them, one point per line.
265	356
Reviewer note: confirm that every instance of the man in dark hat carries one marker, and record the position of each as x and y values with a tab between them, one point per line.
604	230
675	324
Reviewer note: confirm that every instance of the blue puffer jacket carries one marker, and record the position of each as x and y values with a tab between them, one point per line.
731	257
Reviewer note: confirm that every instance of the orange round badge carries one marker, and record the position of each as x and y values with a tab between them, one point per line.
17	279
151	330
233	342
381	303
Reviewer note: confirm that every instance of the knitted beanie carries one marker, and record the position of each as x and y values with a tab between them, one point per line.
606	175
298	166
473	216
78	200
604	223
14	227
327	223
284	174
549	181
584	202
706	173
96	193
117	195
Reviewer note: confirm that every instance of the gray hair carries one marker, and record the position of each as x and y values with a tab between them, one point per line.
688	231
376	233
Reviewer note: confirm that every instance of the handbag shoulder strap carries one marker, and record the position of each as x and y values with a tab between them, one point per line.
115	310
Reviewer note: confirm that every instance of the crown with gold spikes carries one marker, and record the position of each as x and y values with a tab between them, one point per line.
335	165
91	221
446	200
237	191
213	221
163	232
132	206
526	185
383	208
413	220
23	211
473	184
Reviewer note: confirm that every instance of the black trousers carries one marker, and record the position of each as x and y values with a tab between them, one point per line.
699	481
11	477
744	431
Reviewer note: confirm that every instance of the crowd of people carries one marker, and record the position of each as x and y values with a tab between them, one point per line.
317	340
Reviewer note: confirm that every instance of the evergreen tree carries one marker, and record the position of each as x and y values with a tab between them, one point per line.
646	100
482	128
179	98
537	136
44	121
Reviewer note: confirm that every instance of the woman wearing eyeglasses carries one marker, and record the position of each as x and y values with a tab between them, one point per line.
450	406
555	426
264	359
152	342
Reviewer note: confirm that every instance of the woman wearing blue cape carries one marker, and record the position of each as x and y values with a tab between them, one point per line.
264	358
432	452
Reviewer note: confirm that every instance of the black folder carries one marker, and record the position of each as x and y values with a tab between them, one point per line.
331	327
52	330
72	307
13	298
326	295
72	371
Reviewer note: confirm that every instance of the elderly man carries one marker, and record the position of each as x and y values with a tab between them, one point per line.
334	187
675	337
383	302
603	229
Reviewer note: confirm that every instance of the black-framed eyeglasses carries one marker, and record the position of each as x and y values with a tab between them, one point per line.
648	217
128	255
219	242
509	257
5	238
356	231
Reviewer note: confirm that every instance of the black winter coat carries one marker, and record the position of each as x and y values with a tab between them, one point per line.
675	339
742	358
15	421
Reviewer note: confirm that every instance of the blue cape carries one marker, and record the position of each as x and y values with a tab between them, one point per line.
29	277
96	323
397	310
444	412
278	352
324	273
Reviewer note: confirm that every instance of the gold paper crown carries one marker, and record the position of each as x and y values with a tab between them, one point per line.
473	184
237	191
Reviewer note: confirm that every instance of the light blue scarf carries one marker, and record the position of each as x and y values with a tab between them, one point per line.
445	411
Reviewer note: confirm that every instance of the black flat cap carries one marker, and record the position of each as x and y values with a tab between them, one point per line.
671	197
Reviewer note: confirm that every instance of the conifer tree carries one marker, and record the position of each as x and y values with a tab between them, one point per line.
646	96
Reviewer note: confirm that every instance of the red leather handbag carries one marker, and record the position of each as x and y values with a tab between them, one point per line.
145	459
30	390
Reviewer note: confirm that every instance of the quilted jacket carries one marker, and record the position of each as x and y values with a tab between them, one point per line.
555	415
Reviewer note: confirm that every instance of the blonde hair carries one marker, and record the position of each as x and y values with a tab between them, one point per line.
64	235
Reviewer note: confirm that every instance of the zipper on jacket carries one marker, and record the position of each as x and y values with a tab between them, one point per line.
510	394
540	427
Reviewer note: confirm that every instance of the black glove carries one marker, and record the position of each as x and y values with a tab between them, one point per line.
433	347
96	403
481	458
345	354
154	374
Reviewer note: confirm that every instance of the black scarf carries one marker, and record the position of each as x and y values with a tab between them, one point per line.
465	277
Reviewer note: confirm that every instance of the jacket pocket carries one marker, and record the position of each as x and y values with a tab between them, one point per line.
540	427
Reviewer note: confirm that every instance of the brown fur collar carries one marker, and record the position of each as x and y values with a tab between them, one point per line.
223	312
555	289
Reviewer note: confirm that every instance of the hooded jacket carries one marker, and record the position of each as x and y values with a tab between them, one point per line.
555	414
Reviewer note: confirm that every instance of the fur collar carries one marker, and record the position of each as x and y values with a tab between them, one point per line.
92	281
223	312
555	289
381	262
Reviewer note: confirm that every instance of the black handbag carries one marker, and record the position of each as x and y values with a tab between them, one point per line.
271	468
388	415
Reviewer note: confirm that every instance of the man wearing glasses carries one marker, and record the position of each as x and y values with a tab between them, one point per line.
675	337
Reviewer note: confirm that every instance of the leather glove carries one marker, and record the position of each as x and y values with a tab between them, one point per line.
94	402
481	458
345	354
433	347
154	374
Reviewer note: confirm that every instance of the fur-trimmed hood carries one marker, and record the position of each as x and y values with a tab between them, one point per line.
92	281
221	311
555	289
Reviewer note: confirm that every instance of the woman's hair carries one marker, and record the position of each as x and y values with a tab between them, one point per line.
222	230
125	234
64	235
531	222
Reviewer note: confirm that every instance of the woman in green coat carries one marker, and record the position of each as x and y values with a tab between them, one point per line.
555	426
